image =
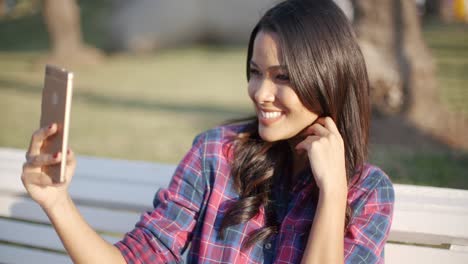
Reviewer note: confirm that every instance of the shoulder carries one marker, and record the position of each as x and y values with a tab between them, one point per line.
372	177
219	140
224	134
221	133
371	199
371	183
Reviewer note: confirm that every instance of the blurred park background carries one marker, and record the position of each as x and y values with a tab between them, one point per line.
150	75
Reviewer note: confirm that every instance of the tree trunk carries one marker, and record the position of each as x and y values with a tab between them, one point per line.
62	19
441	9
427	110
375	25
401	68
3	9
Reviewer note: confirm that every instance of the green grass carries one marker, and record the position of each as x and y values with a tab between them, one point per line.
149	107
449	45
422	167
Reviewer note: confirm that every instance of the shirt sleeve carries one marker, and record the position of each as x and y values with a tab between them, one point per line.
371	220
162	235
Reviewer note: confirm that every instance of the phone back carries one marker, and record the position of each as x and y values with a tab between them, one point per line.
56	105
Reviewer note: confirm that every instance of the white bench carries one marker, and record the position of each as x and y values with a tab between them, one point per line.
430	224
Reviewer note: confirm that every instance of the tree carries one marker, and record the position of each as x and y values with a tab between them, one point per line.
62	19
401	68
3	8
441	9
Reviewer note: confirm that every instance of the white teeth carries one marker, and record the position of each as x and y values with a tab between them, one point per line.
269	115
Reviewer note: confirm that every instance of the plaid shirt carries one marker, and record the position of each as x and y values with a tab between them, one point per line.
201	190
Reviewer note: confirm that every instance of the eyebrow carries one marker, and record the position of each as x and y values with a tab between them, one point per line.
274	67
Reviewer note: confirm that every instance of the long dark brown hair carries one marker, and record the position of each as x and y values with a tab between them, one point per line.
327	70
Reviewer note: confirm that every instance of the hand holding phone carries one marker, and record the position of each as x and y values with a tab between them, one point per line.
49	167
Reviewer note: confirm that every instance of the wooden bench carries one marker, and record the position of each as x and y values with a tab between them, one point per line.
430	224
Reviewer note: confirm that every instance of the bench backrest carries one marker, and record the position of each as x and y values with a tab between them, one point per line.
430	224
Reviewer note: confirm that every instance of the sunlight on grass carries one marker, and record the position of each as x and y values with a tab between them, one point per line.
449	45
131	107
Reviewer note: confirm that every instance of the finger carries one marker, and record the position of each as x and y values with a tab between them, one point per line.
305	132
305	144
43	160
71	160
38	138
329	124
319	130
311	130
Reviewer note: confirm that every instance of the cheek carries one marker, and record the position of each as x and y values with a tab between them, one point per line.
301	114
289	98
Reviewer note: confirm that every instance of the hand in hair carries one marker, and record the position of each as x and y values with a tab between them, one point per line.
325	150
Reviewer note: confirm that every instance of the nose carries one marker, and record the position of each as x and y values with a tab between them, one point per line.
264	92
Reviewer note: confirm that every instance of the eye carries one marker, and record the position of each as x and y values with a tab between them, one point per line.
282	77
254	71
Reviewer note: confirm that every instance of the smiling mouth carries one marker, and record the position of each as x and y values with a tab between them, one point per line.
269	117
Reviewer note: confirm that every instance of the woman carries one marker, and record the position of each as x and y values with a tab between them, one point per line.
289	185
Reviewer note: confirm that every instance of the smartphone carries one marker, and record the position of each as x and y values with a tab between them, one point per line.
55	108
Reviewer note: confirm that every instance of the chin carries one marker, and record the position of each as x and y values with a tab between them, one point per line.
269	134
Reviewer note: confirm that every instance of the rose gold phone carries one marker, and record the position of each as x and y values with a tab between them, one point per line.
56	104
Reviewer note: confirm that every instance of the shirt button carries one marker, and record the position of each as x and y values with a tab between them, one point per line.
268	245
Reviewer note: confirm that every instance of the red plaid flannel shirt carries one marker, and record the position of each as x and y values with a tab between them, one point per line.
191	208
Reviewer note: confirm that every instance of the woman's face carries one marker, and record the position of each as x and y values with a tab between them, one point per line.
280	113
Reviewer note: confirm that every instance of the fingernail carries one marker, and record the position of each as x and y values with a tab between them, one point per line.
68	151
56	155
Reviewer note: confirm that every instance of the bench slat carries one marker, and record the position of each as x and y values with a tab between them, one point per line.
101	168
19	255
25	209
113	194
430	215
426	215
115	169
108	191
459	248
408	254
35	235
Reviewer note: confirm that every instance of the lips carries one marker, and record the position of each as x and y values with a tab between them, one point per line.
268	117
